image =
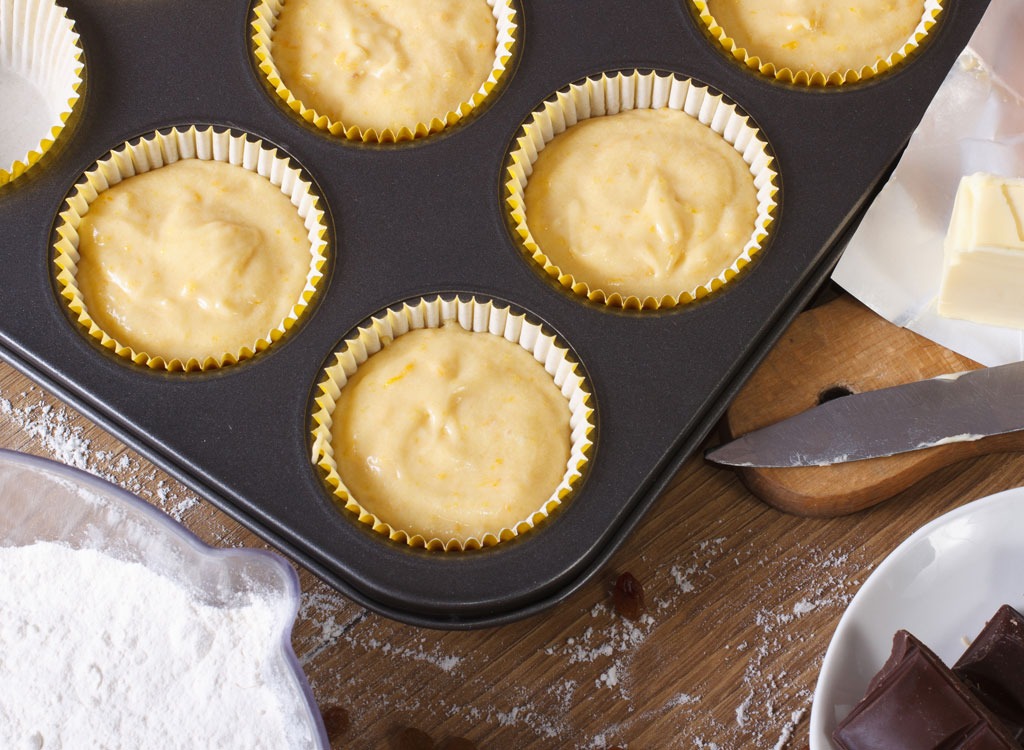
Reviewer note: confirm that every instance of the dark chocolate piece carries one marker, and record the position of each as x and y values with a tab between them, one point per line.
917	703
993	668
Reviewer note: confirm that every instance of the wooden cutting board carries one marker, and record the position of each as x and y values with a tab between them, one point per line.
839	348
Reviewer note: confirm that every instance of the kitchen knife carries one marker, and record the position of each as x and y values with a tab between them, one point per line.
961	407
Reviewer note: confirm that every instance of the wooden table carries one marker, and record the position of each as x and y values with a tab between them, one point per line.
741	603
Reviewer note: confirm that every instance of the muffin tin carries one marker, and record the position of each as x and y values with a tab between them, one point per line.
429	217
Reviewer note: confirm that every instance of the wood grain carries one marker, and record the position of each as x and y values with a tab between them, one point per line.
844	345
741	604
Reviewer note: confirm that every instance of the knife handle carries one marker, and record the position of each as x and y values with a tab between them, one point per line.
843	347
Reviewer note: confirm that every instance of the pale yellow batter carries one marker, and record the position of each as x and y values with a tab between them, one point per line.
384	63
644	203
194	259
818	35
451	434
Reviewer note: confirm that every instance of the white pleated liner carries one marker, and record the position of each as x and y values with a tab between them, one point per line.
608	95
266	13
39	43
153	152
929	16
480	316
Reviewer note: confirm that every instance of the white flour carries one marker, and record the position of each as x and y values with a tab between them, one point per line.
805	588
102	654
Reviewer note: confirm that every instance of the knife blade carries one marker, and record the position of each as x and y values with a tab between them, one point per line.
947	409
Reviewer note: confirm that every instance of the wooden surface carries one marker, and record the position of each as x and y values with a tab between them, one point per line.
843	346
741	603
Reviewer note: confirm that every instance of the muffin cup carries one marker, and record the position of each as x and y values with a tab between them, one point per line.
266	13
153	152
38	43
611	94
479	316
932	9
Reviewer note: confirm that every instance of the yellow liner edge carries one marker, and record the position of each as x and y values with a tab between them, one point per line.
480	316
266	13
153	152
72	42
605	95
932	10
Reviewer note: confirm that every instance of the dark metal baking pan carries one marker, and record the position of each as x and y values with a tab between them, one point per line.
429	217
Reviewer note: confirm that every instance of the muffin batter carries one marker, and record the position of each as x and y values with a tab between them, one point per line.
194	259
451	434
818	35
384	63
646	202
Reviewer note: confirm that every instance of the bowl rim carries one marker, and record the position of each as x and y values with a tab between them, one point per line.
819	729
291	593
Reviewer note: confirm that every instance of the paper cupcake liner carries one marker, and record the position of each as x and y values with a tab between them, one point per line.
153	152
39	44
611	94
266	13
480	316
932	9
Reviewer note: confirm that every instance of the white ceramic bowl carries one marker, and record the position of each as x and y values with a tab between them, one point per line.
41	500
942	584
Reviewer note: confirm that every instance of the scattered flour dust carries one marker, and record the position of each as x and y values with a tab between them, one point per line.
51	428
446	663
610	643
741	710
84	665
787	731
605	648
597	661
